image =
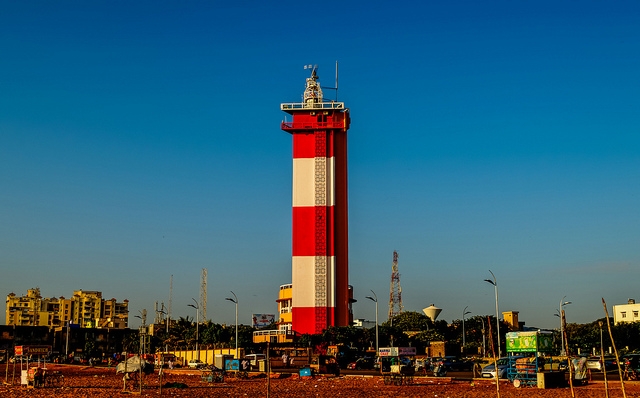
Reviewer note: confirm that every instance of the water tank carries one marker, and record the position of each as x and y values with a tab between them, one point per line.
432	312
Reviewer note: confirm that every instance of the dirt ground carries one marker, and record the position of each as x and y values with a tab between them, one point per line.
103	382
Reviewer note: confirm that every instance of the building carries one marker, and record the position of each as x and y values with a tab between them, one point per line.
511	318
284	307
629	312
24	310
320	271
85	308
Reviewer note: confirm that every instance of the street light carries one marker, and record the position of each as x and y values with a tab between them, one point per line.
484	351
562	304
604	369
109	324
375	300
166	344
235	301
143	318
197	308
495	286
464	341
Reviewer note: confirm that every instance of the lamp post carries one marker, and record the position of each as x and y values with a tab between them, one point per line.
464	340
484	351
197	308
108	330
560	307
143	318
235	301
375	300
166	345
604	368
495	286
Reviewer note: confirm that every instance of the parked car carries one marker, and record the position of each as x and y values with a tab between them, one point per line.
366	363
595	363
489	370
196	364
456	365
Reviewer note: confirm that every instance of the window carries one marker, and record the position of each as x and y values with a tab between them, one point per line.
635	314
623	314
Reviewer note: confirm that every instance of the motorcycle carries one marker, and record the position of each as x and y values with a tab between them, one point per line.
440	370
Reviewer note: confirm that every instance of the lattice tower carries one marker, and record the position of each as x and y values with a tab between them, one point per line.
203	296
395	291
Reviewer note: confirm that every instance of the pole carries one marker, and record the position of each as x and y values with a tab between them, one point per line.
615	350
484	348
235	301
237	355
197	308
560	308
268	371
464	337
375	299
66	350
495	286
604	369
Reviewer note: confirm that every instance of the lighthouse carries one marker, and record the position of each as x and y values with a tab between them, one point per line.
320	269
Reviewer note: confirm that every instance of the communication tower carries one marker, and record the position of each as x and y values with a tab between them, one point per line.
320	270
395	292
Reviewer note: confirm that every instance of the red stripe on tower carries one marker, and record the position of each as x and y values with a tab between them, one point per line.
320	270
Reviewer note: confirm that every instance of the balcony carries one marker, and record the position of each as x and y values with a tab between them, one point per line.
311	105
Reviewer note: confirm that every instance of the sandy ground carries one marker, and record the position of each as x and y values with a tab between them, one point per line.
103	382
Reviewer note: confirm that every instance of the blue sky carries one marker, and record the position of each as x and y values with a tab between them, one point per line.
140	141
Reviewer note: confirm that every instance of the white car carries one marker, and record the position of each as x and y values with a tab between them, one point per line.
196	364
489	370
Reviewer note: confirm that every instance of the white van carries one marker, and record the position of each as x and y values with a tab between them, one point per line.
254	358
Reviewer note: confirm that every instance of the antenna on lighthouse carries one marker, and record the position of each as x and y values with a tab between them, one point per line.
336	87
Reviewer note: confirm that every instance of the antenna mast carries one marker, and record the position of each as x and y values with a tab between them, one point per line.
395	292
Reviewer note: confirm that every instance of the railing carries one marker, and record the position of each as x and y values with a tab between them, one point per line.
311	105
311	125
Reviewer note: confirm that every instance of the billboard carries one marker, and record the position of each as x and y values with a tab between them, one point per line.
263	320
37	350
529	342
397	351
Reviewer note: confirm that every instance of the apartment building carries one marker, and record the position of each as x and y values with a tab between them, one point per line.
85	308
625	313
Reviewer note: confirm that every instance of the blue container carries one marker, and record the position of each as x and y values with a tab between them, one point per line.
305	372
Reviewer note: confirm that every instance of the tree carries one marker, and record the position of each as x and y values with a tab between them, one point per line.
410	321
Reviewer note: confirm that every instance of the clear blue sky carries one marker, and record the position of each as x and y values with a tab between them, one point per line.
140	140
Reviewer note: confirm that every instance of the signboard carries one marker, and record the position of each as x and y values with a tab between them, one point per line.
529	342
397	351
388	352
263	320
37	350
232	364
407	351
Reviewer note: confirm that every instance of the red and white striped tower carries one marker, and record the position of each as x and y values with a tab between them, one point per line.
320	269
